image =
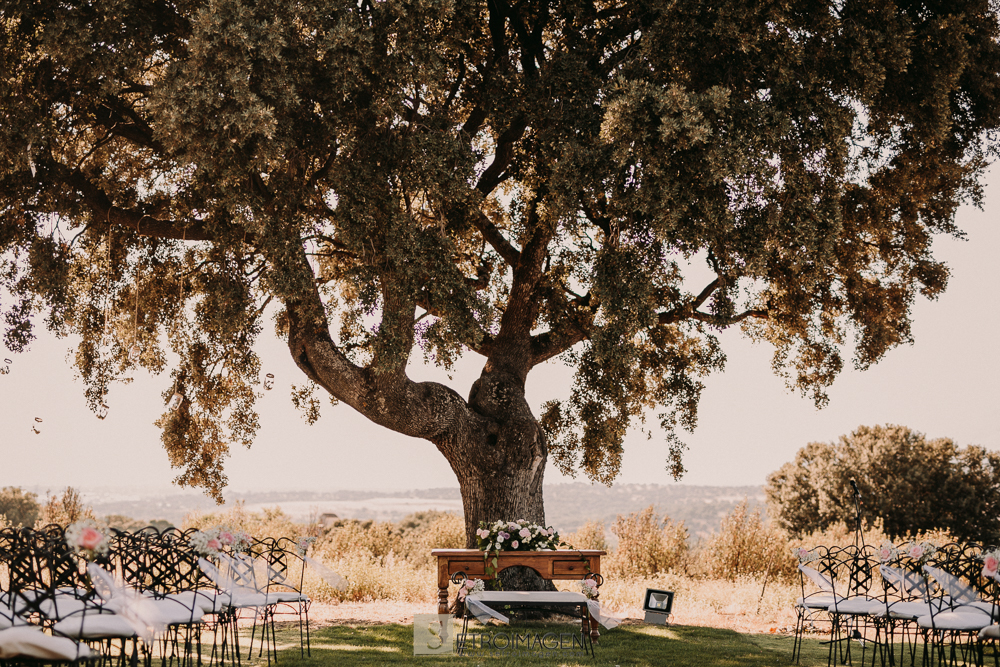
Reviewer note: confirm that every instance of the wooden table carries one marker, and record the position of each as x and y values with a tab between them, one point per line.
561	564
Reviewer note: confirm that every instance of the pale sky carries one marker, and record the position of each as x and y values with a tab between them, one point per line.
946	384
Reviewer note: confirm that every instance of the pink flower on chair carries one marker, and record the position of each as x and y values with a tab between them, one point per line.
916	551
990	563
90	538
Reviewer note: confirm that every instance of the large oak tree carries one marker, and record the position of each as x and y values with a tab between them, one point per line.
519	179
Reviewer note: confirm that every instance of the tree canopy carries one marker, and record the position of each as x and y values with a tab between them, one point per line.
521	180
914	484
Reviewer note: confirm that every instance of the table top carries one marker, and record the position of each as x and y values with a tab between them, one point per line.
547	553
530	597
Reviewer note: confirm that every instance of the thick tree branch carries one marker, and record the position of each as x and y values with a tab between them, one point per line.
142	221
496	239
502	155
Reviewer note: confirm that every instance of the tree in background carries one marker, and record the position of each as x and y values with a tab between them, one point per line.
19	506
65	509
605	183
911	482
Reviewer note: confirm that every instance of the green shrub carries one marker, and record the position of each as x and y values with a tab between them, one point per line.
747	546
589	536
647	545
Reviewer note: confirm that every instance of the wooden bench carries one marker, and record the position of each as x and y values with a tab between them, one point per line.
561	564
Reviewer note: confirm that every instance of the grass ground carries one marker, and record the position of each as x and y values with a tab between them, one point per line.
633	644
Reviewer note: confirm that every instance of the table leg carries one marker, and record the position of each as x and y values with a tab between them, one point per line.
443	600
594	633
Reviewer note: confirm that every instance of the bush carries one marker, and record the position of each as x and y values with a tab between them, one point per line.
270	522
65	509
435	530
747	546
589	536
647	545
18	507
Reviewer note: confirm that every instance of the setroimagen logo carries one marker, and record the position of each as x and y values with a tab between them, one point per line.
433	634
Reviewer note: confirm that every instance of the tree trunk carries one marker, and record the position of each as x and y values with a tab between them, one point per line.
501	472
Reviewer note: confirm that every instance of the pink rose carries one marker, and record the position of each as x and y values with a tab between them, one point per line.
226	537
525	533
885	554
90	538
213	544
470	584
514	544
990	565
916	551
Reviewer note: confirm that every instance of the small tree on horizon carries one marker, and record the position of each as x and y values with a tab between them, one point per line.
19	506
912	483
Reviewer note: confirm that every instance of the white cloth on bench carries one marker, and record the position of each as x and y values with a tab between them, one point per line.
477	604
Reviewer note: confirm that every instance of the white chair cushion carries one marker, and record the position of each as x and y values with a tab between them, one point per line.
990	632
241	599
982	605
286	596
909	609
955	620
820	601
209	601
30	641
175	612
94	626
858	606
62	606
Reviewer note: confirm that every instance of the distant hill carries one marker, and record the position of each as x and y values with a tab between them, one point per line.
567	506
701	508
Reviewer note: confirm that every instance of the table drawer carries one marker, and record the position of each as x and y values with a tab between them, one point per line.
471	568
568	567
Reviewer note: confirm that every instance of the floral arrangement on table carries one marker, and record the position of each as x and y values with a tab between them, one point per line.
513	536
991	561
805	555
887	552
589	588
921	552
516	536
303	544
86	538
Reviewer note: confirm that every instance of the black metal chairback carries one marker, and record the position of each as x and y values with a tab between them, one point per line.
852	569
43	569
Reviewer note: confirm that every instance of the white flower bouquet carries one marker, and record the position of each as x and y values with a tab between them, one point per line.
805	555
921	552
304	543
991	560
206	543
516	536
471	586
887	552
589	588
87	539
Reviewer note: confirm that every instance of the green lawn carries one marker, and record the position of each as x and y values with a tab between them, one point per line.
636	645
